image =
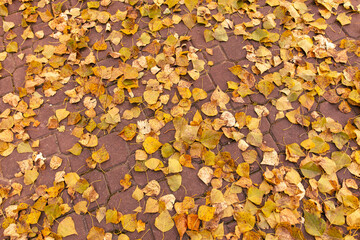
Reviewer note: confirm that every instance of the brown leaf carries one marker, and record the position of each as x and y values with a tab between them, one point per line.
181	224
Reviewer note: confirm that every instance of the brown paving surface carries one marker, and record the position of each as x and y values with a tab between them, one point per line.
105	179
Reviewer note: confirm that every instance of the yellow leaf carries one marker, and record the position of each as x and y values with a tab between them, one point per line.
61	114
89	140
151	145
265	87
81	207
30	176
206	213
191	4
220	98
152	188
24	147
130	72
123	237
66	227
129	222
71	179
100	45
205	174
100	155
33	217
126	183
209	109
154	164
220	34
210	138
174	182
255	195
76	149
90	194
55	162
140	226
100	213
151	96
12	47
6	136
343	19
113	216
96	233
152	206
199	94
164	222
270	158
137	194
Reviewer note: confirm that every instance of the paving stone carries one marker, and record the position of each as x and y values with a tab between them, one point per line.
46	177
270	142
47	40
114	175
43	115
78	163
15	18
21	60
197	38
194	186
80	226
167	133
171	234
2	33
286	133
141	178
204	82
18	30
123	201
334	31
218	55
19	77
48	146
117	149
221	75
230	227
272	113
239	18
6	85
179	29
234	150
240	106
353	29
233	48
13	8
8	65
257	177
9	164
27	191
91	221
145	235
66	140
261	99
331	110
97	179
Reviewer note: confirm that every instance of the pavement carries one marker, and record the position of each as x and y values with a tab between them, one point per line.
106	177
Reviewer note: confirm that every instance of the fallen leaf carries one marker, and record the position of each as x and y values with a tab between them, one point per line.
205	174
66	227
96	233
164	222
151	145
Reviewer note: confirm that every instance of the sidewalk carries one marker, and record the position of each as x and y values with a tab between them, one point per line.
179	119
